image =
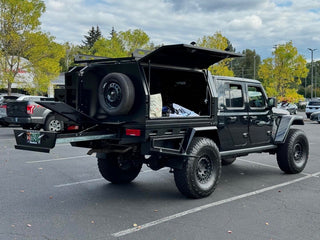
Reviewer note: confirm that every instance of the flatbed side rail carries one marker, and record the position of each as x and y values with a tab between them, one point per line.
43	141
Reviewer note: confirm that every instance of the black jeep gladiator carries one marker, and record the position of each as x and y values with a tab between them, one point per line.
165	109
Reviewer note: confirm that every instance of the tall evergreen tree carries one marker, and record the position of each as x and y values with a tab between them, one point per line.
93	35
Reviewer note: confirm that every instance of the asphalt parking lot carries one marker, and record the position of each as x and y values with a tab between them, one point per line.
62	196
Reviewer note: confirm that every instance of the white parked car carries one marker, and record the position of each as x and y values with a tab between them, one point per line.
315	116
312	106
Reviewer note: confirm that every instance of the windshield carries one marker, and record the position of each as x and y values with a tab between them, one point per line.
314	103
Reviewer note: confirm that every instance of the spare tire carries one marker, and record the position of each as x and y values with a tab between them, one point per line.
116	94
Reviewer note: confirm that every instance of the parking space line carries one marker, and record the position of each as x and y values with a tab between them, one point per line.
256	163
80	182
265	165
210	205
97	179
58	159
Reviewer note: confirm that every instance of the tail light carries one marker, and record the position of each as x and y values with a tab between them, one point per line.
30	108
73	127
3	106
133	132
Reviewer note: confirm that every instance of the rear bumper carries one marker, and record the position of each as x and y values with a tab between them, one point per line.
18	120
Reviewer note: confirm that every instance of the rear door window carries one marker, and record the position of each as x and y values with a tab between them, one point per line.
234	96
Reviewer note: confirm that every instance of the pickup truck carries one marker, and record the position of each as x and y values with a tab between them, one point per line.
165	109
29	114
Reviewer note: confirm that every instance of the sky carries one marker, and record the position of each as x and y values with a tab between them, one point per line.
248	24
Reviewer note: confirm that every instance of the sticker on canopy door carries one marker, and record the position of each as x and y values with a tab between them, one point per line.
33	137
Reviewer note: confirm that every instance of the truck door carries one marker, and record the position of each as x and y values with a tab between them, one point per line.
232	115
260	124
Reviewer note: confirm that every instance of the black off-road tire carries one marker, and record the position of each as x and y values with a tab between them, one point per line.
116	94
292	156
119	168
53	124
227	161
199	175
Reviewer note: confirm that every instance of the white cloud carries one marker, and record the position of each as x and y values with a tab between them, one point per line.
247	24
252	22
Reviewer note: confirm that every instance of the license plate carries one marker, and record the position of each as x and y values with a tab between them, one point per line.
33	138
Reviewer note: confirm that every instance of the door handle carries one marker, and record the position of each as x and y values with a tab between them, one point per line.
253	117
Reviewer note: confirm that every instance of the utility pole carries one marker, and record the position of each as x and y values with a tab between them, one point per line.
315	81
312	50
254	66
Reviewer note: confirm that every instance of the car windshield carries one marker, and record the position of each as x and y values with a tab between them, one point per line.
314	103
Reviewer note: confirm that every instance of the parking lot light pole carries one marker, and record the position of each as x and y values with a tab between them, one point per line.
312	50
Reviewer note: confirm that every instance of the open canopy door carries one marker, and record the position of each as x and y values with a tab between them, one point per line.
189	56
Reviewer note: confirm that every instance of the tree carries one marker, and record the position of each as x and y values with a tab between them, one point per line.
121	44
112	47
217	41
20	38
92	37
44	56
133	39
247	66
71	51
281	75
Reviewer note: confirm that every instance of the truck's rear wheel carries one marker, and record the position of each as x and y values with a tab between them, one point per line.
199	175
292	156
116	94
119	168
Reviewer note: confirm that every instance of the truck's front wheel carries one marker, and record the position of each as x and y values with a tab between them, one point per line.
118	168
201	171
292	156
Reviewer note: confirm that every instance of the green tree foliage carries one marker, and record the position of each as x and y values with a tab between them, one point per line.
305	87
20	38
133	39
111	47
247	66
281	75
44	56
71	51
120	44
217	41
92	37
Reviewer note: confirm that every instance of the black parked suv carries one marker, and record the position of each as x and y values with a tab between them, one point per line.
165	109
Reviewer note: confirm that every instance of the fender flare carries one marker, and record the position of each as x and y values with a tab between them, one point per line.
283	124
194	131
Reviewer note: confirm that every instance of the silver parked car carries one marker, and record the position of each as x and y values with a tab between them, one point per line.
29	114
315	116
290	107
4	99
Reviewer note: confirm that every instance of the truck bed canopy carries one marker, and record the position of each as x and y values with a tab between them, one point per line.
183	55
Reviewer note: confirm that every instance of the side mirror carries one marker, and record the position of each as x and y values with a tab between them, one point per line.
272	102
